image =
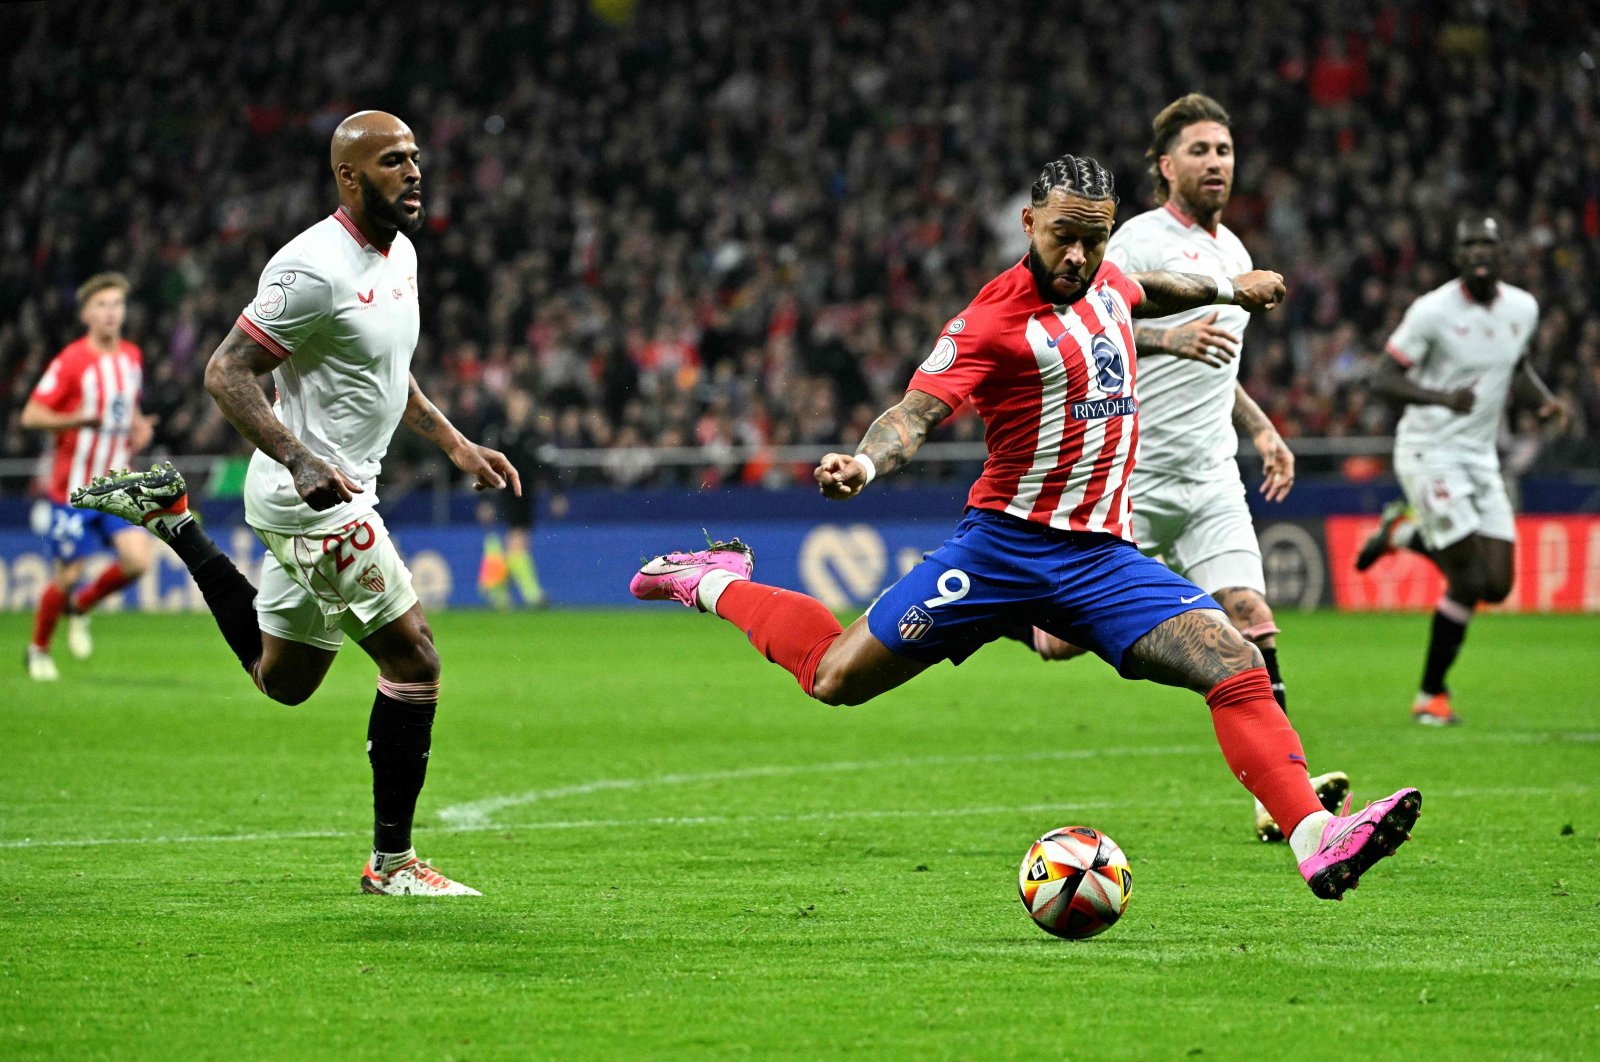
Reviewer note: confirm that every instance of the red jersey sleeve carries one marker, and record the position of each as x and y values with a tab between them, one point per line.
960	360
1114	278
61	386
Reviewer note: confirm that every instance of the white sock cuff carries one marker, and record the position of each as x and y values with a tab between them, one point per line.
1452	609
410	692
1306	837
712	584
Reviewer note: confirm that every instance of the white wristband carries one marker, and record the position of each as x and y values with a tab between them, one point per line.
1224	292
872	470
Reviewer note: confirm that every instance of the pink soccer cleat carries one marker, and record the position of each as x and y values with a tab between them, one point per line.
676	576
1351	844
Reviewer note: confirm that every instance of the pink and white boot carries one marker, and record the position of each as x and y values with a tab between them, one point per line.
677	576
1351	844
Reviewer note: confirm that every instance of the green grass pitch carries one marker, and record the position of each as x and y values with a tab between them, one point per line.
683	857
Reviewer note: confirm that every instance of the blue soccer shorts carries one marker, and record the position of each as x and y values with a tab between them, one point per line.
997	572
76	532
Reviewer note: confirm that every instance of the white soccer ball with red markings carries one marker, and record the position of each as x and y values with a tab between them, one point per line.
1075	882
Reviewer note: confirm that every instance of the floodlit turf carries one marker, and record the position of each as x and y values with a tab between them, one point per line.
683	857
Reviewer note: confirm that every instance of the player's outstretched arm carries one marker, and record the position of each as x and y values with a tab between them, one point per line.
39	417
1201	341
888	444
232	378
1389	380
1168	292
1277	460
488	468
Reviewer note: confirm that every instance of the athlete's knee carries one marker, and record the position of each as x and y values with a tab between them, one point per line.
1049	647
1468	587
1249	613
832	686
418	663
1238	652
285	689
838	685
1496	587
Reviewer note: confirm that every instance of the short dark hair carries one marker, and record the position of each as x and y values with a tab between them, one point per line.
1478	219
98	283
1076	175
1174	118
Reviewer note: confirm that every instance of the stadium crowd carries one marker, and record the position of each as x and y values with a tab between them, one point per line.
722	222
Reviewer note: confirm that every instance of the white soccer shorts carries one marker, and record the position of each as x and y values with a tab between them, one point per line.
315	589
1201	529
1455	498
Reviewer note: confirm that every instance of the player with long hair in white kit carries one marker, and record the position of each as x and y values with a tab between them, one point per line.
335	320
1458	351
1191	509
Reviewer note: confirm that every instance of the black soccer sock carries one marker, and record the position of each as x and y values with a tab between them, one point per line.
228	594
399	737
1449	631
1269	657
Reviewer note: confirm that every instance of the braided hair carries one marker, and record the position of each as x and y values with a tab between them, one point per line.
1076	175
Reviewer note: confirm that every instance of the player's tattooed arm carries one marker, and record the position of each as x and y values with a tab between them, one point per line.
233	380
889	444
1196	649
424	418
488	468
1201	341
1388	380
1277	460
1167	291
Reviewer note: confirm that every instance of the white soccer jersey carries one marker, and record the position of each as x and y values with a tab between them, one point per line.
1185	407
343	317
1448	340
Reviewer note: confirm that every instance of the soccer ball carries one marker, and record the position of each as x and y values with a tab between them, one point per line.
1075	882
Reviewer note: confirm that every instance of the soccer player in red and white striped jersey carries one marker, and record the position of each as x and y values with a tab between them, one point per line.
1045	353
89	397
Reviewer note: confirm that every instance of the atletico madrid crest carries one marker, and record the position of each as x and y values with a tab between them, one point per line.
915	624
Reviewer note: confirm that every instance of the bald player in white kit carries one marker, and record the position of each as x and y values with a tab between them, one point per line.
1189	498
335	320
1457	353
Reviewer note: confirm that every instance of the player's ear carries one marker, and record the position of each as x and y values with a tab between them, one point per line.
1164	166
1027	220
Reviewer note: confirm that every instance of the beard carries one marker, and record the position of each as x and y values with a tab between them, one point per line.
388	212
1044	280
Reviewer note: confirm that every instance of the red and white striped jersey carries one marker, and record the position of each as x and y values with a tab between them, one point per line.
1054	386
83	380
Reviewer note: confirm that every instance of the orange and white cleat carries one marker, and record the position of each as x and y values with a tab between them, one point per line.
407	875
1434	710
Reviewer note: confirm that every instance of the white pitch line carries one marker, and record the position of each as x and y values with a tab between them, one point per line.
1072	807
478	812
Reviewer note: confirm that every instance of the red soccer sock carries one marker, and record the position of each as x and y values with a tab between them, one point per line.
52	603
110	581
790	629
1261	748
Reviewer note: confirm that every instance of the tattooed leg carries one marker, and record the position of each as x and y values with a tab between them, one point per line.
1250	613
1196	649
